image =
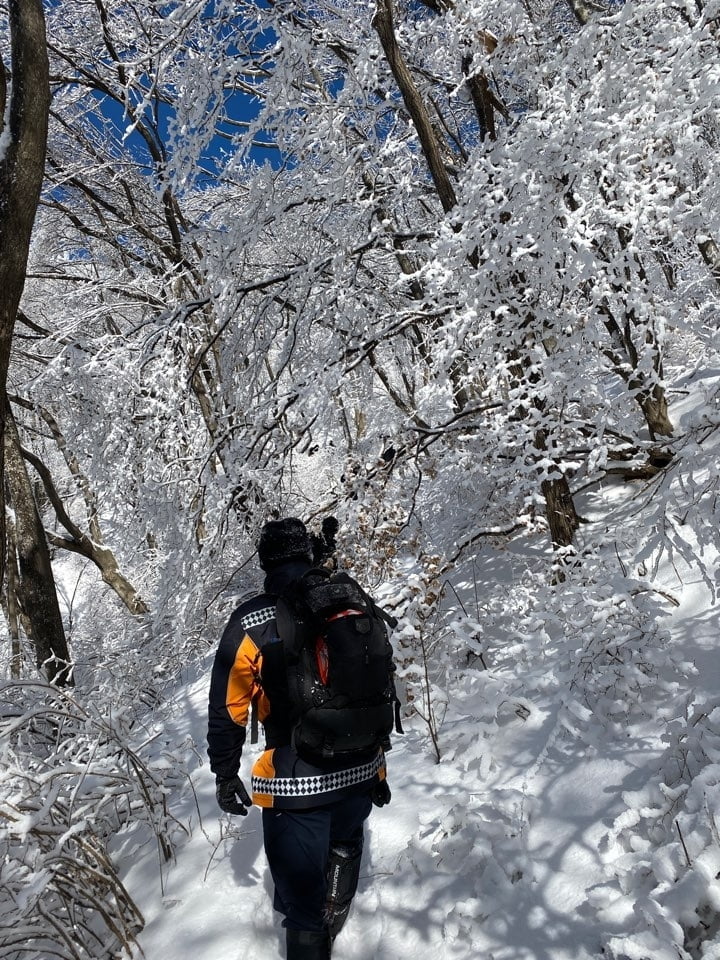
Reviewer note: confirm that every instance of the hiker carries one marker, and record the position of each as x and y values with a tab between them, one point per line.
315	796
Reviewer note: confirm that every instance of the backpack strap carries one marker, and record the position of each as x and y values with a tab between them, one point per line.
253	722
389	619
253	702
398	721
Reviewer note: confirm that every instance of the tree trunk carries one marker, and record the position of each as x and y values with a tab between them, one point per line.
11	605
655	410
623	353
93	546
583	10
560	511
104	560
711	255
23	163
385	27
36	588
22	166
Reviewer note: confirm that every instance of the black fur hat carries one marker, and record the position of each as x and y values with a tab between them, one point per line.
283	540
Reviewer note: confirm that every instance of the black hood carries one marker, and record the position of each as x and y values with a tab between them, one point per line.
277	580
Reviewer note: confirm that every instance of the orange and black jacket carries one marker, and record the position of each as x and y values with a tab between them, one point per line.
249	672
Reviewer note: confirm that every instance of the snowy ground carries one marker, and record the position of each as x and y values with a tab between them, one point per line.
494	852
516	846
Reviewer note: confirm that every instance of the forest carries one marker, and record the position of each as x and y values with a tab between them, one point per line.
449	271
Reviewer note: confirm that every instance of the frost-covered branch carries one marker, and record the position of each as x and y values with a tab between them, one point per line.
70	781
383	22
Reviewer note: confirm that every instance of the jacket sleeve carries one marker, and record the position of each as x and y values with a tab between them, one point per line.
232	686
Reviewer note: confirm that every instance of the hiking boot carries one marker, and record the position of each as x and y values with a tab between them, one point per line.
307	944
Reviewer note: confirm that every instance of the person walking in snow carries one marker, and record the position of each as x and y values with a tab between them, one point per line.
314	802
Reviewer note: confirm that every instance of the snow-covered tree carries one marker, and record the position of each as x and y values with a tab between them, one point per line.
437	267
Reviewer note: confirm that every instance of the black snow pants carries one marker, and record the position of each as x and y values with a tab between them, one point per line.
298	845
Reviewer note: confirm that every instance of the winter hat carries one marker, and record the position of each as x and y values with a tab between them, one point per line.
283	540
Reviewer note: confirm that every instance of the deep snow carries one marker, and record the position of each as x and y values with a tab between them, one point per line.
494	852
539	835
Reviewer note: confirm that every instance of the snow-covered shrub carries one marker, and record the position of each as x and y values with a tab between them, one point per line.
618	656
665	900
483	843
71	777
424	655
598	635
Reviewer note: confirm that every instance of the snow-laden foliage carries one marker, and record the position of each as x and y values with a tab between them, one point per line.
435	347
328	306
669	838
71	776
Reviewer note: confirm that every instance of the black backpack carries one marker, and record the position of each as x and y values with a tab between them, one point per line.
339	666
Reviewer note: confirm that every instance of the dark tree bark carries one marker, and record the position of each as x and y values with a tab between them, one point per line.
583	10
654	406
21	173
23	164
710	253
562	517
560	511
385	27
36	588
11	606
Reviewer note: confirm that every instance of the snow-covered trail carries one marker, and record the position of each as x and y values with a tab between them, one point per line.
489	853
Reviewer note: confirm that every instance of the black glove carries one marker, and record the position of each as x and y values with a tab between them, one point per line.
227	790
380	793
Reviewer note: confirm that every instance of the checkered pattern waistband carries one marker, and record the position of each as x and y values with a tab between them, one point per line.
312	786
